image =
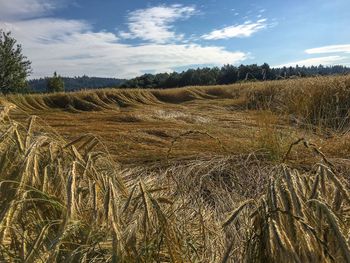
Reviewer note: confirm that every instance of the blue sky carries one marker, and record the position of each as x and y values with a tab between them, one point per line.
117	38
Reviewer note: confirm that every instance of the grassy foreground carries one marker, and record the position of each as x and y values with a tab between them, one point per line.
66	197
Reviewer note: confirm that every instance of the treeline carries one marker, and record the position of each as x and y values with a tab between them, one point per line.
229	74
76	83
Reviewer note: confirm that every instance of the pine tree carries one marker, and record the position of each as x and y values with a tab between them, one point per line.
14	66
55	83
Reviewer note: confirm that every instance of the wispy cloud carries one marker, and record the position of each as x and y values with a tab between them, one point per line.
237	31
329	49
155	24
100	54
19	9
72	47
328	60
342	57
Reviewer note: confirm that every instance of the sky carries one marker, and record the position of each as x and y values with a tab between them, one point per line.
124	39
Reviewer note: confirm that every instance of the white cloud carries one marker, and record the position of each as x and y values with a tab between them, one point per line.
70	47
73	47
155	24
243	30
18	9
329	60
341	59
329	49
43	30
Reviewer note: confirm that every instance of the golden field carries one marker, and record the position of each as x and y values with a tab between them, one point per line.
251	172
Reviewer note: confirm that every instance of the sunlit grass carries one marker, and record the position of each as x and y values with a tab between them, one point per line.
182	175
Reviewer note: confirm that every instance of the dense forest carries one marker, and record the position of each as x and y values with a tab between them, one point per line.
229	74
76	83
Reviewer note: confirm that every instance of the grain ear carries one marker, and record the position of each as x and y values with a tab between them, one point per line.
235	213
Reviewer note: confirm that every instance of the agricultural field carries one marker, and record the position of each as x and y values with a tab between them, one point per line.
249	172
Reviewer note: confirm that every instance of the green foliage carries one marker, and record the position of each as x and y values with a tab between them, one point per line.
55	84
229	74
14	66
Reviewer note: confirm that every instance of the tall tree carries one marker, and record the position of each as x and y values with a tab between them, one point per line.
55	83
14	66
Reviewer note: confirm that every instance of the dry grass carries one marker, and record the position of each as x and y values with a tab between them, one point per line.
217	190
321	102
138	126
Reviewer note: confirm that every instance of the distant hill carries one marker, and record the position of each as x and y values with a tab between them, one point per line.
77	83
